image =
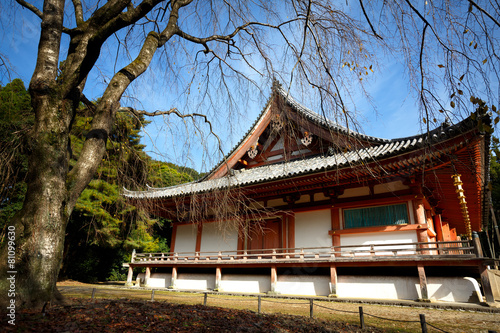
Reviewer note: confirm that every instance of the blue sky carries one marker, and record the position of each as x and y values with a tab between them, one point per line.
395	114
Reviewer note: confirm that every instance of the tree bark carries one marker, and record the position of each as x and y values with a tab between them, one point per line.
40	225
53	188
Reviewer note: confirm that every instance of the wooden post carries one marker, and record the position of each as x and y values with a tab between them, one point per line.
93	293
174	278
147	276
274	279
423	284
361	318
335	221
423	324
130	276
333	281
218	278
205	296
259	305
485	282
311	308
422	224
152	295
476	242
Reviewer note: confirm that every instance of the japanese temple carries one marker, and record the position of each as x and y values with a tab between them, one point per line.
304	206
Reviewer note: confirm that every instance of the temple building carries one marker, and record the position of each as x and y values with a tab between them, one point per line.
303	206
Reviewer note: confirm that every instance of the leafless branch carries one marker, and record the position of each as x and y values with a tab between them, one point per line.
368	20
176	112
77	4
31	7
484	12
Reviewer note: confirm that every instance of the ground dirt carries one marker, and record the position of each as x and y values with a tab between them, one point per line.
118	309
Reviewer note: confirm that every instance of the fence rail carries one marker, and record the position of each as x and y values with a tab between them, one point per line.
311	304
334	253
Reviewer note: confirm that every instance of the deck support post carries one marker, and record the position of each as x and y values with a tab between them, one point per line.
476	242
147	276
333	281
173	279
129	276
423	284
274	280
485	283
218	278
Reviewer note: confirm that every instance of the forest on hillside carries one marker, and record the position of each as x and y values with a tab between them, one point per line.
103	228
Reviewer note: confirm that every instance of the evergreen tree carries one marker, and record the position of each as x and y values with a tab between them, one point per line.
104	227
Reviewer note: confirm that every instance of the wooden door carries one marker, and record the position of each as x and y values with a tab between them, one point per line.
264	235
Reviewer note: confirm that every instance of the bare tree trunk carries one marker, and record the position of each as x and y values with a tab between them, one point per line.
40	225
53	188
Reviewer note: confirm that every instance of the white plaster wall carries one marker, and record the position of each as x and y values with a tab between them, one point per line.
213	239
239	283
317	285
311	229
393	237
193	281
383	287
185	238
157	280
452	289
444	289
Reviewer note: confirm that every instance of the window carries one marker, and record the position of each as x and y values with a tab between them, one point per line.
375	216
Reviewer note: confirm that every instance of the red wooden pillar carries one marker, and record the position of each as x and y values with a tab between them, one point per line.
422	223
147	276
335	217
174	278
438	224
198	237
218	278
291	231
129	276
333	281
172	240
274	279
423	284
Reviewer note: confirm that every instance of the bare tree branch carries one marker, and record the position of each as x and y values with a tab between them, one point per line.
31	7
484	12
77	4
368	20
176	112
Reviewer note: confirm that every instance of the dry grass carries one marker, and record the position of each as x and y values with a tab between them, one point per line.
446	320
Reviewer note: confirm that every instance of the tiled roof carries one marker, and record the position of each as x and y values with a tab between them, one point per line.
380	149
306	113
293	168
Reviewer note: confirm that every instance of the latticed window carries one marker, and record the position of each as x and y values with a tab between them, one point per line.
376	216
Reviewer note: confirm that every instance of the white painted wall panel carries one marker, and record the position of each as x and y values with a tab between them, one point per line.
445	289
193	281
238	283
395	237
185	239
302	285
311	229
383	287
213	239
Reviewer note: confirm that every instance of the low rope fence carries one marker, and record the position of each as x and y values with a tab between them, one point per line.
312	305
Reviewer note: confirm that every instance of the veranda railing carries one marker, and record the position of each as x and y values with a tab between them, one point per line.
420	249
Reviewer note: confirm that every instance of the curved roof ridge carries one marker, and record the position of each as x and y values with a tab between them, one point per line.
319	119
